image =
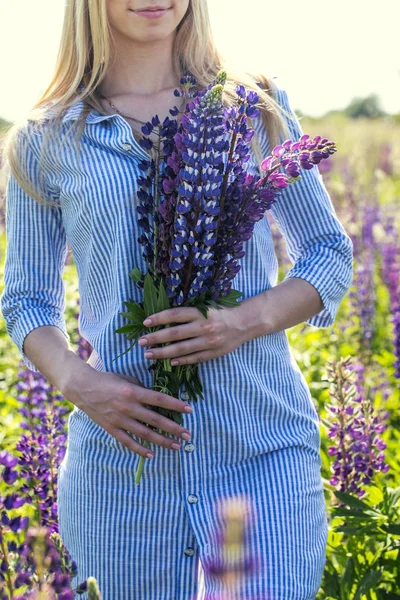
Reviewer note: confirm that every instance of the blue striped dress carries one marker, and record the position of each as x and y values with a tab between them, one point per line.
257	431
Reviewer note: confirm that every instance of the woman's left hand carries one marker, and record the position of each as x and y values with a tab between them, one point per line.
223	331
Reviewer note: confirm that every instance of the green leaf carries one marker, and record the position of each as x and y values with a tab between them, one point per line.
203	311
132	305
127	315
136	310
367	583
394	496
351	500
230	299
136	275
150	296
226	301
126	329
214	304
135	333
331	584
375	495
359	531
348	513
393	528
347	578
126	351
348	530
163	300
233	295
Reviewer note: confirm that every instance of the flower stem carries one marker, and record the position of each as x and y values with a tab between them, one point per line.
7	565
139	470
156	198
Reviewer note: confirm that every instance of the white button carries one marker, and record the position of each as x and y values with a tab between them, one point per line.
192	498
184	396
189	551
189	447
127	146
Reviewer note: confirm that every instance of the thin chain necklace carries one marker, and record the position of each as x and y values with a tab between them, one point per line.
120	113
127	116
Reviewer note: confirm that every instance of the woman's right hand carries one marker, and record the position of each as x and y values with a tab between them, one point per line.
118	404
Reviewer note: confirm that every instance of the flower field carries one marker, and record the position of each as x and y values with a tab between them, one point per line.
352	368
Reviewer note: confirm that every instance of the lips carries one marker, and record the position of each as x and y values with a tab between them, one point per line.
152	9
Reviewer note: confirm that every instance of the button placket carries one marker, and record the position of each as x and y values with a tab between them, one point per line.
127	147
189	551
127	133
193	499
189	447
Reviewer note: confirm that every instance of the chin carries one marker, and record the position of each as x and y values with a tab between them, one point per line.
153	34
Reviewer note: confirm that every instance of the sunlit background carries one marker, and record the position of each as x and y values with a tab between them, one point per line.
324	54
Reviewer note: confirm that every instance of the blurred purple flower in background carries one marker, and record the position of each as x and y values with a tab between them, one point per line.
391	276
354	427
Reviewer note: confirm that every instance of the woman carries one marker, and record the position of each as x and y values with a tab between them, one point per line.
257	430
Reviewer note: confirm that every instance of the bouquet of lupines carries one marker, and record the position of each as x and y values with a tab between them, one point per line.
197	208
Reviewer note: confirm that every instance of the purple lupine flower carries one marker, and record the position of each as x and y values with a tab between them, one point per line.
200	179
8	462
36	396
45	564
391	277
385	162
205	198
84	348
355	428
362	297
33	475
232	564
42	448
59	567
156	200
185	237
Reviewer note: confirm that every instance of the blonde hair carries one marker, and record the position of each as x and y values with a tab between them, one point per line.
85	54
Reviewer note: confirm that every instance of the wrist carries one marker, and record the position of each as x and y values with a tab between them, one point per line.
254	318
74	371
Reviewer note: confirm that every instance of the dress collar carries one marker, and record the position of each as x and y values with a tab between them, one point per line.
93	116
75	110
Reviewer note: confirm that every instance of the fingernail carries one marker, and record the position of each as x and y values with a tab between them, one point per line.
147	322
148	354
185	436
149	455
174	362
188	408
175	446
143	341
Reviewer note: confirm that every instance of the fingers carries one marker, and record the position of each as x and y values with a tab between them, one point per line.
178	349
146	433
160	422
170	334
148	396
131	444
191	359
178	314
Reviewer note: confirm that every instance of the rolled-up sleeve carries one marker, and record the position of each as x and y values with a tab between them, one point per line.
317	244
34	293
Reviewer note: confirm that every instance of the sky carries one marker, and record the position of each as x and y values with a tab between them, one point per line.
322	53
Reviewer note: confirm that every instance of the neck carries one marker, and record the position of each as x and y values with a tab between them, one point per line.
143	69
